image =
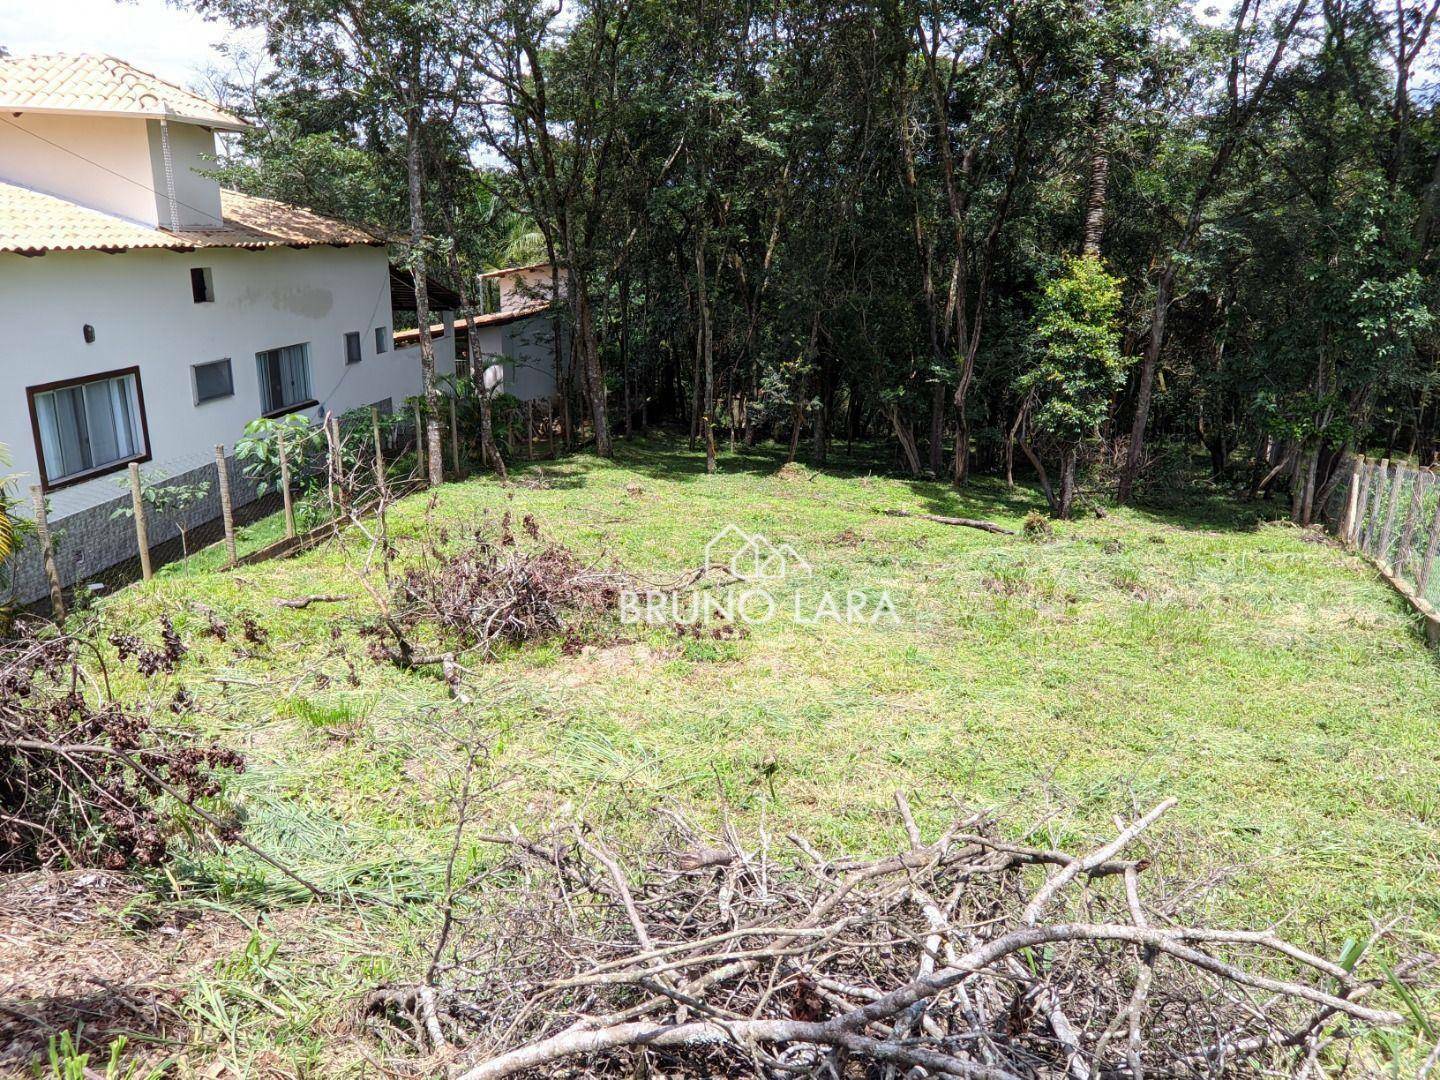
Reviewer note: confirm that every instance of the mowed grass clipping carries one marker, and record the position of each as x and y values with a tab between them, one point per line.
1268	681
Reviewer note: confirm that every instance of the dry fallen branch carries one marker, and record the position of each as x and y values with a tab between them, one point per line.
302	602
968	523
84	778
705	958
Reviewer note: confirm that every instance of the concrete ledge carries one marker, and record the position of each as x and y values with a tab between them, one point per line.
1428	615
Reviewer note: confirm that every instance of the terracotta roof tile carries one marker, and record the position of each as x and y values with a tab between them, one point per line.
495	318
32	222
101	85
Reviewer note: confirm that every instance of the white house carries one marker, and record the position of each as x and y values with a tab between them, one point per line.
152	313
149	314
519	334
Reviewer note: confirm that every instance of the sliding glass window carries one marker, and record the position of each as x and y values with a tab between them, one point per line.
90	426
284	378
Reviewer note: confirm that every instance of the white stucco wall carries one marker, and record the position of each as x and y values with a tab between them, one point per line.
141	307
529	350
525	353
525	287
192	159
103	162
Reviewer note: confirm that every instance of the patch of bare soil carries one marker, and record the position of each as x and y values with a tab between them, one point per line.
77	954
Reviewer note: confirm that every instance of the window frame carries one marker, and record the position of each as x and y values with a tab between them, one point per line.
46	484
229	362
207	281
382	340
355	336
309	378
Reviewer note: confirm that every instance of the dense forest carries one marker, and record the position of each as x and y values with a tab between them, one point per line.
1073	241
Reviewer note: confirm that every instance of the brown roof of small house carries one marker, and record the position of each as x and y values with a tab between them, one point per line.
495	318
543	264
101	86
32	223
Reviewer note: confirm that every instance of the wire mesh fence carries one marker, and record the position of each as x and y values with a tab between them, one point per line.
287	480
211	509
1392	514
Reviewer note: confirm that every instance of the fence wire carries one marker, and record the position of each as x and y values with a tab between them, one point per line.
92	533
1393	515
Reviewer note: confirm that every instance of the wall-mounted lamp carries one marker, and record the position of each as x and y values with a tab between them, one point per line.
89	333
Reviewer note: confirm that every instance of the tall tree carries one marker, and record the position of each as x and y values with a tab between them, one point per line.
550	104
1236	115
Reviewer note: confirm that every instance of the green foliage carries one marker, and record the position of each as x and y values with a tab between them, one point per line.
13	530
869	248
168	500
258	451
67	1062
1076	363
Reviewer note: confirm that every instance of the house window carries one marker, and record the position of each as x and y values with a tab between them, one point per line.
86	427
284	378
352	347
202	288
382	339
213	380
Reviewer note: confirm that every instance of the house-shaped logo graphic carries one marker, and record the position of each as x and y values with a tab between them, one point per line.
752	557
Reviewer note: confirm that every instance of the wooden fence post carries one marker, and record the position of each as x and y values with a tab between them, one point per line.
379	450
142	534
1348	533
226	510
1362	512
47	549
1412	518
454	436
337	457
285	484
1382	477
420	443
1428	563
1391	510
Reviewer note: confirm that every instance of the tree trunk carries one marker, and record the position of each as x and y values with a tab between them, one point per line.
489	452
818	435
625	355
961	471
1067	481
1040	474
590	360
562	377
1219	453
705	360
1136	451
906	438
937	429
1095	191
422	295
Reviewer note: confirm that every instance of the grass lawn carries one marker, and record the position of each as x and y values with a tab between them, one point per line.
1265	678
